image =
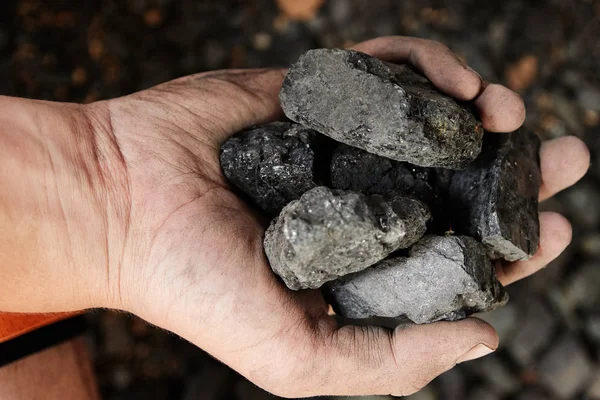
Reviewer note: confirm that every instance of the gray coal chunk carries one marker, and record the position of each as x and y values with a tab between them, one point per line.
354	169
385	109
443	278
329	233
272	164
496	199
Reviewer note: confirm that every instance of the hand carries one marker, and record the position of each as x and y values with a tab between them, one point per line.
136	215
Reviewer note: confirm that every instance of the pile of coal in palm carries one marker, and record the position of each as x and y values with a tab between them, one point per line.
385	192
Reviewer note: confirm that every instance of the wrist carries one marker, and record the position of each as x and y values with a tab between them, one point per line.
114	198
54	242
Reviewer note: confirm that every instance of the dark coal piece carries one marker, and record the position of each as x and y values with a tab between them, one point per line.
496	198
444	278
329	233
360	171
385	109
272	164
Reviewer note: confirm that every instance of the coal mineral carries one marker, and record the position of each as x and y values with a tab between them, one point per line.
443	278
330	233
496	198
385	192
360	171
385	109
272	164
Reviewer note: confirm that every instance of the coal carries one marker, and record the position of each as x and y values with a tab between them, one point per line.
360	171
272	164
379	159
496	198
357	170
330	233
382	108
443	278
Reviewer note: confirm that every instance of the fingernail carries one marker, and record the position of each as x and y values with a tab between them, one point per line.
476	352
468	68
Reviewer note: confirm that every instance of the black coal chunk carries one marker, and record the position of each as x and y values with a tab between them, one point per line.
444	278
496	198
329	233
360	171
385	109
272	164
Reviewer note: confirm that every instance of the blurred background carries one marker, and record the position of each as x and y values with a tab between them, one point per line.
547	50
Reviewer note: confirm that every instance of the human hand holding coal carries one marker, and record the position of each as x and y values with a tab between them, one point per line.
186	251
181	249
351	360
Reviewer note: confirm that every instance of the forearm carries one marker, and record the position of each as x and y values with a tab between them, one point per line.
60	372
51	208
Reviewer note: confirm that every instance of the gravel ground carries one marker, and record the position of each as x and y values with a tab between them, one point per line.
546	49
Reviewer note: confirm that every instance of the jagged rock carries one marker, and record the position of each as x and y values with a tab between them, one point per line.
329	233
496	198
385	109
444	278
360	171
272	164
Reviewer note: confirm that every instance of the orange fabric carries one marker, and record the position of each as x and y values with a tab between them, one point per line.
13	325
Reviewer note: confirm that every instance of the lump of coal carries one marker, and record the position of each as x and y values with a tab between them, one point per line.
444	278
272	164
329	233
360	171
496	198
385	109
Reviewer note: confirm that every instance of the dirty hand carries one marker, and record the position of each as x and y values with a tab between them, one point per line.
122	204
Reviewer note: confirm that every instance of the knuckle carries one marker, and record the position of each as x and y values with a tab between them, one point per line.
413	371
437	46
418	378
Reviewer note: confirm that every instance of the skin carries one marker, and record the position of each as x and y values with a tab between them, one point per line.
61	372
122	204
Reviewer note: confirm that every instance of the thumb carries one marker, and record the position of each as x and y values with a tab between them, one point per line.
229	101
371	360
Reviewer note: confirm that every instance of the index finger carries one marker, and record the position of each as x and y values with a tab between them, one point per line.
439	64
501	109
